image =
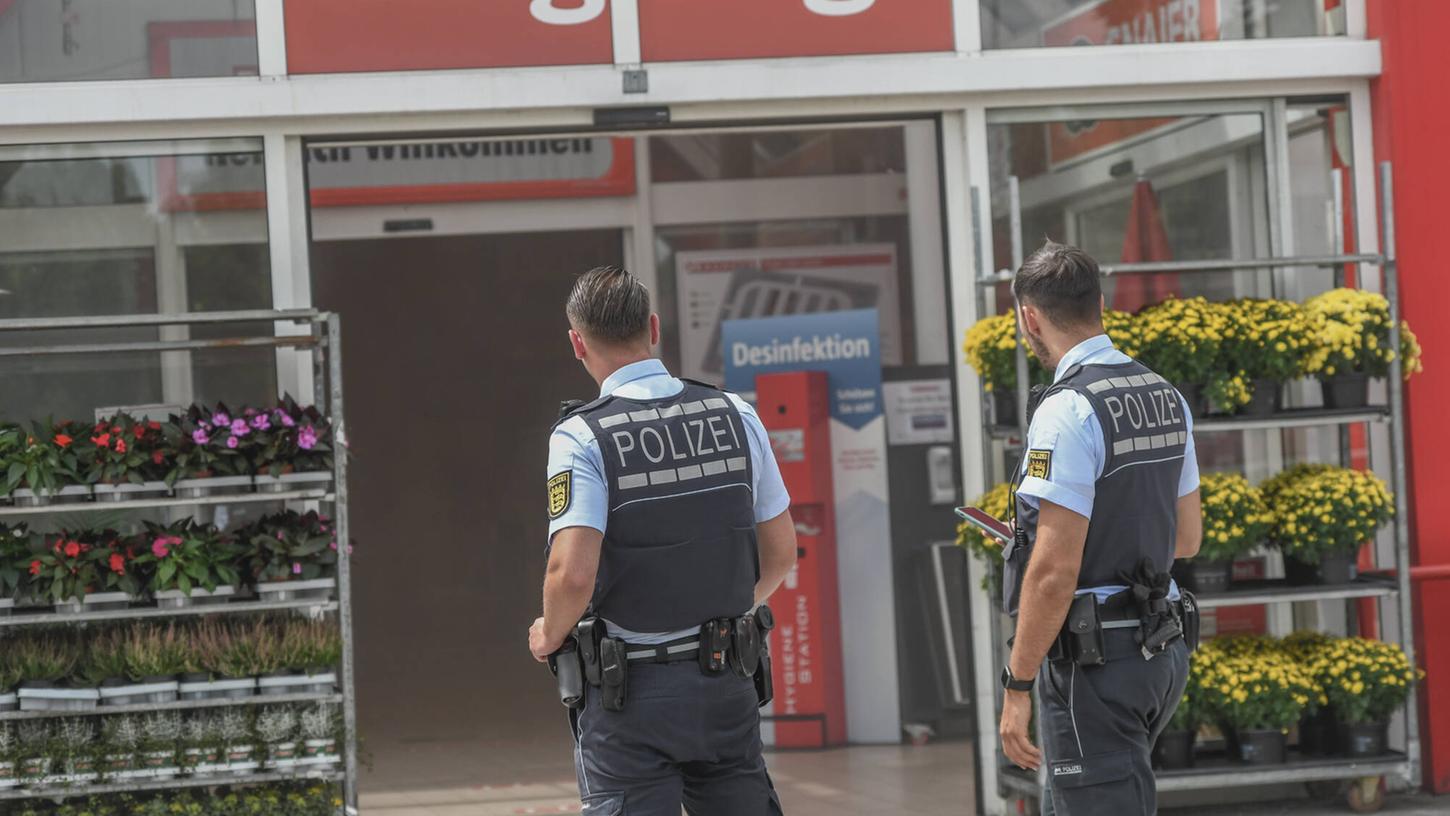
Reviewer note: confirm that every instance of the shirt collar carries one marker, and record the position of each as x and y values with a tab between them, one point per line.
630	373
1081	351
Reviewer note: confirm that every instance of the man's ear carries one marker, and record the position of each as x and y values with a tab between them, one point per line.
1031	320
654	330
577	341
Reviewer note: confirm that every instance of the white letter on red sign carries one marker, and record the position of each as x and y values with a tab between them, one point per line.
838	8
546	12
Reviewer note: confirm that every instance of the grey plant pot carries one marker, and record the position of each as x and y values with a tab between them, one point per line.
219	689
297	684
139	694
320	589
58	699
176	599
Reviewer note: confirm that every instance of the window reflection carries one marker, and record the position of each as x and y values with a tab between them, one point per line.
1050	23
59	40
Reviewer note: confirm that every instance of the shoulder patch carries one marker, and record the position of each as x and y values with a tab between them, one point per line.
560	493
1039	463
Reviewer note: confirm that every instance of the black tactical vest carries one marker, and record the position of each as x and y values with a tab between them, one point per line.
1135	504
679	542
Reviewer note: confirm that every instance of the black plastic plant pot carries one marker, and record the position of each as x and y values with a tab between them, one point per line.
1196	396
1174	750
1362	740
1004	406
1338	567
1318	734
1207	576
1300	573
1262	746
1266	398
1346	390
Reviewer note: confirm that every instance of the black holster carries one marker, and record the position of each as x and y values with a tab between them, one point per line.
613	673
568	673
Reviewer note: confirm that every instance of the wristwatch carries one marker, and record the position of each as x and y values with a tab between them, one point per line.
1011	683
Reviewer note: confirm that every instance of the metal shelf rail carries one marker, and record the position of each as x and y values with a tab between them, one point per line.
306	330
1396	589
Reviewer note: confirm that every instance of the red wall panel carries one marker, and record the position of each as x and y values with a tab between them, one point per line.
672	30
341	36
1412	114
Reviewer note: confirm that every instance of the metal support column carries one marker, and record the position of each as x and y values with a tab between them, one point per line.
344	560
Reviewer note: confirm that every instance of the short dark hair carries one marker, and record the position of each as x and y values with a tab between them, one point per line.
1062	281
607	303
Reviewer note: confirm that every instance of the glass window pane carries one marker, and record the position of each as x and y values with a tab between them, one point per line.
164	227
776	154
57	40
1019	24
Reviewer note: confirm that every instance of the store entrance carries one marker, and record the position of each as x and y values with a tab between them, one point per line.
455	362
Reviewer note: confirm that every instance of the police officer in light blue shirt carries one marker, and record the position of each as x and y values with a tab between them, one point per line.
1106	499
668	525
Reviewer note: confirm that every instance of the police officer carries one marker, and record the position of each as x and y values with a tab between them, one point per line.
1107	498
668	520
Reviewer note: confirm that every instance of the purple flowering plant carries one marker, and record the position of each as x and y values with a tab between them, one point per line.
204	442
292	438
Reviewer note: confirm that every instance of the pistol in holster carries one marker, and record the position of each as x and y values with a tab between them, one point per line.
568	673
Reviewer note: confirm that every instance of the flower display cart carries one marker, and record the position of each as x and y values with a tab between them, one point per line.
311	335
1388	588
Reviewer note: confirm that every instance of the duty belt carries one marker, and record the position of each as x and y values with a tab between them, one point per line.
675	651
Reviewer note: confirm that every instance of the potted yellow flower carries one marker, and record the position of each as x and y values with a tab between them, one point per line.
1266	343
1257	696
1180	340
1365	682
991	349
1353	330
1322	514
1235	520
1318	732
998	502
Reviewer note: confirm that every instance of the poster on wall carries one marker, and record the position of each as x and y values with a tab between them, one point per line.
847	346
1121	22
715	286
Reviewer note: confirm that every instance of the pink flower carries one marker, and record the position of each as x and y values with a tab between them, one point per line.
233	442
296	568
159	548
332	546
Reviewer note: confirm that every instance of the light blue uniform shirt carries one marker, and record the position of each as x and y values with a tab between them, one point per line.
1066	424
573	447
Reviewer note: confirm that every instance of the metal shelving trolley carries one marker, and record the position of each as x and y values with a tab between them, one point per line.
1388	587
313	338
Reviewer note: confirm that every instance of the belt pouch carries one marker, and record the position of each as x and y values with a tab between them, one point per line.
1085	631
714	646
613	674
745	646
589	632
764	683
1190	620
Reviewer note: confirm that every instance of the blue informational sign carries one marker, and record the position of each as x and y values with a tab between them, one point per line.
845	345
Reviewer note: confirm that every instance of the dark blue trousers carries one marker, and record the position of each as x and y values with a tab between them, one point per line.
684	738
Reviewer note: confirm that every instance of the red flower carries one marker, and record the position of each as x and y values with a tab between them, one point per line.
63	440
138	431
120	445
34	567
118	564
72	549
154	425
157	457
104	440
115	429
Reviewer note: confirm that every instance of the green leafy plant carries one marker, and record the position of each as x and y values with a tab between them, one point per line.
14	559
123	449
187	555
62	568
201	443
291	546
42	457
292	438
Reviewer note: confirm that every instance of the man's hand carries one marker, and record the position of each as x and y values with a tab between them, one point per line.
1016	715
539	643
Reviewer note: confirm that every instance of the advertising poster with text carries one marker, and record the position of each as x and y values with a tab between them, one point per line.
847	346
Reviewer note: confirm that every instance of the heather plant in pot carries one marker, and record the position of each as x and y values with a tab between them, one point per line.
34	749
224	662
161	742
103	662
204	746
9	753
277	728
156	652
321	728
43	658
76	748
122	737
235	733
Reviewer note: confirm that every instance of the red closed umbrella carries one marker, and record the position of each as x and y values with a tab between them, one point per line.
1144	240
